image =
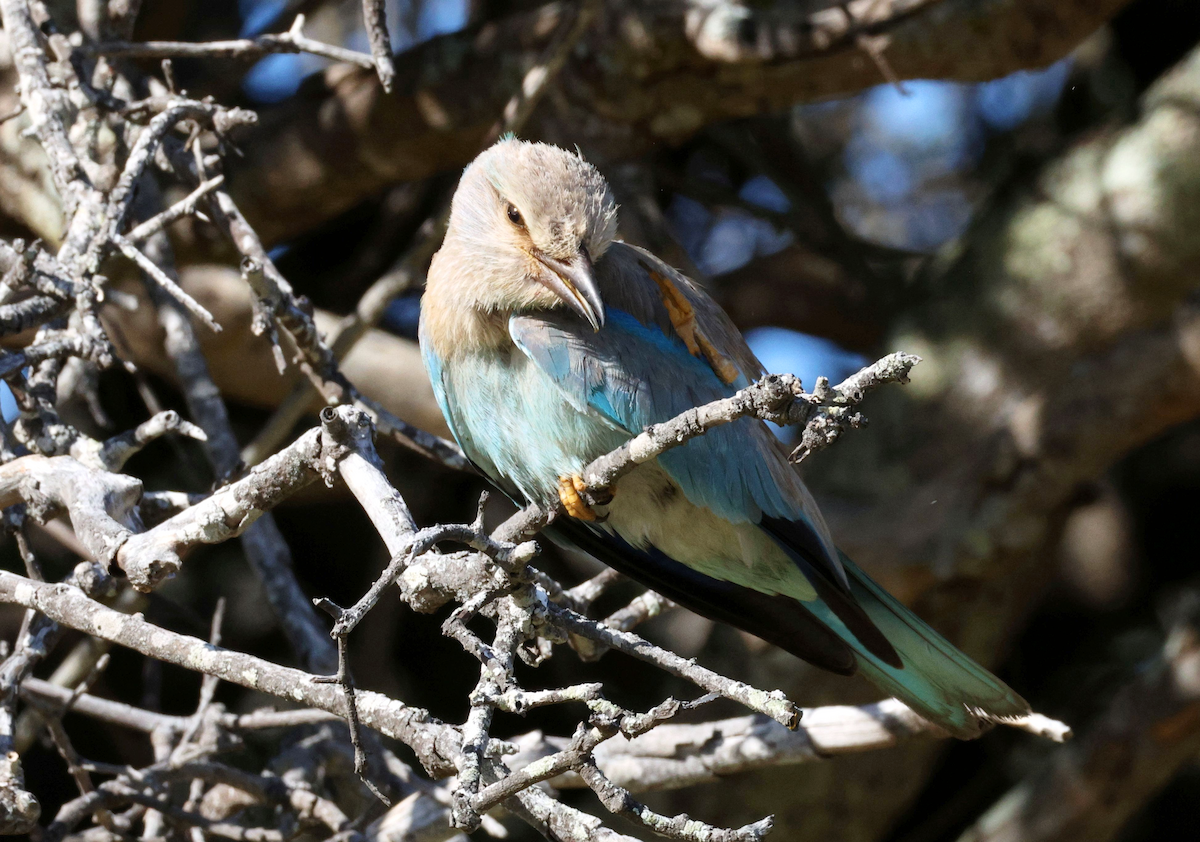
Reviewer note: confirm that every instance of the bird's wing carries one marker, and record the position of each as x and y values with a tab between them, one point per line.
634	373
635	376
635	281
777	619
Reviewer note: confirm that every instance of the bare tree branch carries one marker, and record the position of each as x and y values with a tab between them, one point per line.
292	41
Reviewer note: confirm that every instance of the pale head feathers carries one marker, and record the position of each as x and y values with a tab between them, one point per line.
563	200
517	202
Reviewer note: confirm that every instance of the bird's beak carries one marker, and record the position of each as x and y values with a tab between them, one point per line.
574	282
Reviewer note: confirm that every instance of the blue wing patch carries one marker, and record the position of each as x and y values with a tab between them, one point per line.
635	375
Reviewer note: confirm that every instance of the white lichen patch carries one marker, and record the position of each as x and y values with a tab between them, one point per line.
214	526
24	594
109	625
203	659
416	577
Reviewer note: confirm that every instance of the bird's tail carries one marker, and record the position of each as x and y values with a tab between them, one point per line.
937	680
867	630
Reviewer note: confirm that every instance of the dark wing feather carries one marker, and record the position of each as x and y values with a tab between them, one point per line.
779	620
803	546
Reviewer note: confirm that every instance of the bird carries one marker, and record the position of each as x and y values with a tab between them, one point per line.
550	342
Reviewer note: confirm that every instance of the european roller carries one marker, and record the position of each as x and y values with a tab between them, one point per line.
550	343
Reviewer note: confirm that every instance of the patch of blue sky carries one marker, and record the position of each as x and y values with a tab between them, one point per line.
907	140
931	125
724	239
784	351
765	193
735	238
8	404
276	77
442	17
1004	104
730	244
927	113
935	217
884	175
258	14
433	19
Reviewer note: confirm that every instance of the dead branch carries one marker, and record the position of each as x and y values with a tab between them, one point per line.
292	41
375	20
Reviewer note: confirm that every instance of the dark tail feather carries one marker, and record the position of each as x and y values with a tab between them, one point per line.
779	620
799	541
899	652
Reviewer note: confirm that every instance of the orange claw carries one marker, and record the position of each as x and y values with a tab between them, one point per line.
570	490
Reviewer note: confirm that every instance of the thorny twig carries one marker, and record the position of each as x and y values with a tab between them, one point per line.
188	206
117	450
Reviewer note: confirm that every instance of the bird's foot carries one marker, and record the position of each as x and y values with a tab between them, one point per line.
570	491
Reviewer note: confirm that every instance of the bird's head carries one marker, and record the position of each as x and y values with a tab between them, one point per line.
526	224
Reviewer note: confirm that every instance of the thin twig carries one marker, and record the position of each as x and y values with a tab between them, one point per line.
166	282
184	207
292	41
117	450
375	21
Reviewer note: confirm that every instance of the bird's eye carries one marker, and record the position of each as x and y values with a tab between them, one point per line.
514	216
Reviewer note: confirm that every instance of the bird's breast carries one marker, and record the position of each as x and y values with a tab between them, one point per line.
517	425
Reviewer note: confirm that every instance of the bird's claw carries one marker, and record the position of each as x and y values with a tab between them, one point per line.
570	491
